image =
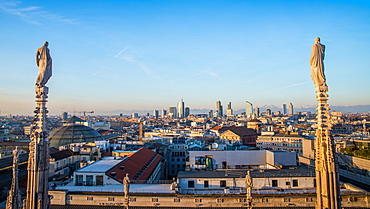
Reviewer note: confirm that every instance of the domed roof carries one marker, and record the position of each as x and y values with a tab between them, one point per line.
73	133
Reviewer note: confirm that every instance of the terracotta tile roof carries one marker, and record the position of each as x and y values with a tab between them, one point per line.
106	154
242	130
139	165
61	154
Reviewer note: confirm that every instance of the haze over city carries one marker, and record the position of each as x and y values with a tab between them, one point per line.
121	56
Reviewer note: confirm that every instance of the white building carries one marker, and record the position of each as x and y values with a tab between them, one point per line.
233	181
240	159
94	174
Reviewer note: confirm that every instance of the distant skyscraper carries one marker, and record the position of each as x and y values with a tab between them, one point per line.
172	112
210	114
164	113
248	109
155	113
283	109
187	111
229	111
64	115
257	111
181	108
219	109
134	115
291	111
268	112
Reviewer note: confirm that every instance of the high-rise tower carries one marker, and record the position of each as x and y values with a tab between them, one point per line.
172	112
283	109
229	111
181	109
290	109
219	109
248	109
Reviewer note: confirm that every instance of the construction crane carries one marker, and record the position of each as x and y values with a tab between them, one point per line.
140	126
84	112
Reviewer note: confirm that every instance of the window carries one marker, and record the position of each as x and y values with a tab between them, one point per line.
196	200
265	200
110	198
69	197
352	199
295	182
309	199
99	180
154	199
220	200
287	183
224	165
89	198
89	180
222	183
242	200
190	184
79	180
206	184
274	183
176	200
133	199
287	199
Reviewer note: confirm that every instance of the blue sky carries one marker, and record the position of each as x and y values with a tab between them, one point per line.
120	56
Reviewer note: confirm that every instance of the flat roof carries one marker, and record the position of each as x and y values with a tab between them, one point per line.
134	188
103	165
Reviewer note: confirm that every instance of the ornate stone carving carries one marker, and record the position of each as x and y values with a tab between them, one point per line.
327	182
14	197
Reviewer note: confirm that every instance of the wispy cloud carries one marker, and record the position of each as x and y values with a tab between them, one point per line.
129	57
213	74
116	56
129	54
31	14
288	86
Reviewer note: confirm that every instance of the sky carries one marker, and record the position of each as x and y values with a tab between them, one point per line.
125	56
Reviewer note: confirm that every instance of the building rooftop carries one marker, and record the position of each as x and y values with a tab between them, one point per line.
134	188
103	165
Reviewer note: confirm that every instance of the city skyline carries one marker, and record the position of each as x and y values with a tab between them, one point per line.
144	55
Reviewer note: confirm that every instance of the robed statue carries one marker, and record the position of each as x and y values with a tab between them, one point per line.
248	181
126	185
317	63
44	62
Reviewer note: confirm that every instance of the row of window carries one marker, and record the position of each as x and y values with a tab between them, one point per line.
274	183
178	166
178	159
89	180
175	154
218	200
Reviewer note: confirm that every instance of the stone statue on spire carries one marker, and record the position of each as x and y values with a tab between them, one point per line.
44	62
317	65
